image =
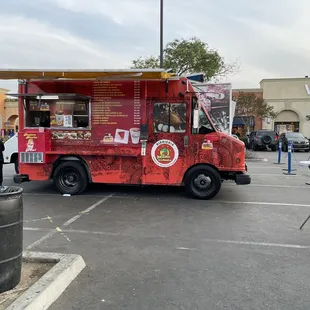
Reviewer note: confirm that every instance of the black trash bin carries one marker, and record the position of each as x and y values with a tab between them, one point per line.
11	236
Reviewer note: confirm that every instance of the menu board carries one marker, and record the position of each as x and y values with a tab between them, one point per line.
116	111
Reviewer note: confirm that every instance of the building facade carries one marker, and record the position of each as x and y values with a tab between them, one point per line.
8	111
290	98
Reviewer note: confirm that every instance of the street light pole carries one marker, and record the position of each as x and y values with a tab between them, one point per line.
161	33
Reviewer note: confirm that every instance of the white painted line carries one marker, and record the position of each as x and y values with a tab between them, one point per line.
263	203
268	185
92	207
37	229
251	243
279	245
268	174
34	244
263	167
191	249
67	223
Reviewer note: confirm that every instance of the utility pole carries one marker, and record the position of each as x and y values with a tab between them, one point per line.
161	33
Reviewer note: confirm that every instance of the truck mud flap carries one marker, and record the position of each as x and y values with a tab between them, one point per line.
243	179
21	178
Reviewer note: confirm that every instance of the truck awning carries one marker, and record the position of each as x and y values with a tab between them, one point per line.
52	96
42	74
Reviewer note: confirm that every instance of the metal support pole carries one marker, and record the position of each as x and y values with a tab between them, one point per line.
289	161
161	33
279	154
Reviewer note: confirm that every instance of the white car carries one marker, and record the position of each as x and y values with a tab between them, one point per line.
10	154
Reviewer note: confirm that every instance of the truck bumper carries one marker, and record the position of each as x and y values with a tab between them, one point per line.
243	179
21	178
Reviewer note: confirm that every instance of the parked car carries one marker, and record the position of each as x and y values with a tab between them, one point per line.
10	154
263	139
300	142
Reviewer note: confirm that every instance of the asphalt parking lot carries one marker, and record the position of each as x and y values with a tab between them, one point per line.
154	248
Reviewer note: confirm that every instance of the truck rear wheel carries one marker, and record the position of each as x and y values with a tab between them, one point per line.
70	178
203	182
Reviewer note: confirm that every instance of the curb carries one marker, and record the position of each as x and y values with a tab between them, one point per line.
257	160
47	289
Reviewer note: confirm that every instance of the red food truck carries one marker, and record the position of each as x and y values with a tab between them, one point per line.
142	127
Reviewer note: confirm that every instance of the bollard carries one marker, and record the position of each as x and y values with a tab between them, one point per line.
289	161
279	154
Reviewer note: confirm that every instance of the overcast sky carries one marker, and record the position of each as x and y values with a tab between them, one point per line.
270	38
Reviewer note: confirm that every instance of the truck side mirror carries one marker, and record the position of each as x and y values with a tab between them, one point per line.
144	132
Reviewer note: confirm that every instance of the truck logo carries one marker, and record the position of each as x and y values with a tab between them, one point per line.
165	153
30	145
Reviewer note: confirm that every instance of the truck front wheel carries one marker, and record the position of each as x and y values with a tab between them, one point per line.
70	178
203	182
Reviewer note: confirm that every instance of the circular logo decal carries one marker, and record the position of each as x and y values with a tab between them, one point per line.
165	153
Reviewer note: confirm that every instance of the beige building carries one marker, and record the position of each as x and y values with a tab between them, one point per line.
8	111
290	98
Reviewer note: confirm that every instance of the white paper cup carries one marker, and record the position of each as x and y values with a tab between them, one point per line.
135	135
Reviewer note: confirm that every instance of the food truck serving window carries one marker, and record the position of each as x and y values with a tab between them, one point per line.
58	113
170	117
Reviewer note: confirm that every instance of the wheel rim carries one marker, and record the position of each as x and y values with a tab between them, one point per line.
69	178
203	184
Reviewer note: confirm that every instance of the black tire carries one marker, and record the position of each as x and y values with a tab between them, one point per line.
16	166
307	151
273	148
197	179
266	139
255	147
70	178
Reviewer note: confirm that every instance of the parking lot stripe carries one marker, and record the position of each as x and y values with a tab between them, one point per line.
269	174
263	203
214	200
251	243
70	221
270	185
279	245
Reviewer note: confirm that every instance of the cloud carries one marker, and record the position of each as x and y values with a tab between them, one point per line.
28	43
124	12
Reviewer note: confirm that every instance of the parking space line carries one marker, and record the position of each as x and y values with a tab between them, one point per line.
209	201
266	244
263	167
67	223
269	175
250	243
269	185
263	203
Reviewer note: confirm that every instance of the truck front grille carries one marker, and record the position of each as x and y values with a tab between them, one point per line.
31	158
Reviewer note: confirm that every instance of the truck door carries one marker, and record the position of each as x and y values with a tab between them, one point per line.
167	142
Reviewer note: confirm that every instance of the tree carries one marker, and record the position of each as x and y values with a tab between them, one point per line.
249	105
187	57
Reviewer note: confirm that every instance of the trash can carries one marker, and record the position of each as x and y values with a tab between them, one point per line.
11	236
